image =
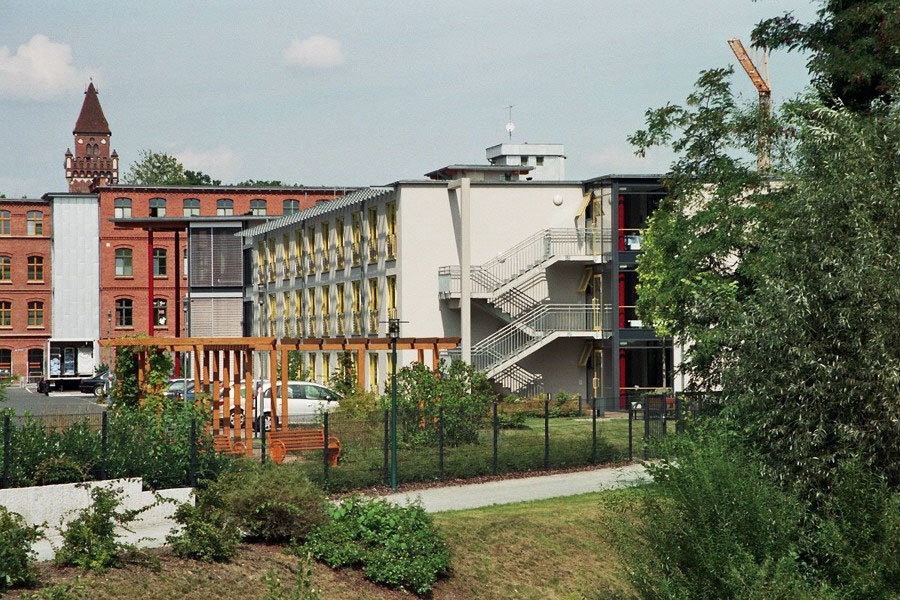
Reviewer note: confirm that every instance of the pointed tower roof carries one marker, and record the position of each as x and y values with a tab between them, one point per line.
91	119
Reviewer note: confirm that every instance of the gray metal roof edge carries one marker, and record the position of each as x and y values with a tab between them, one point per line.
355	197
627	176
25	200
212	188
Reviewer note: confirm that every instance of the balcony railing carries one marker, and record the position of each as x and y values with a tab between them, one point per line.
341	329
356	254
356	325
312	330
373	251
326	325
391	241
373	321
311	264
341	256
501	270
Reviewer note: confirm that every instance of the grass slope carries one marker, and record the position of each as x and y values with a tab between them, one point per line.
551	549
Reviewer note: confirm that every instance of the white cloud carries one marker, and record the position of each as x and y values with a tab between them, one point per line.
219	163
315	52
41	70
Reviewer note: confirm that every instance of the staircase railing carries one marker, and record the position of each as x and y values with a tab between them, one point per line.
527	254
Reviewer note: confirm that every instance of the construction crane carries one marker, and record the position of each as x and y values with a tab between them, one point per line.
761	83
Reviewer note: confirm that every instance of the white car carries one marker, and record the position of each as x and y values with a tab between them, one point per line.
306	401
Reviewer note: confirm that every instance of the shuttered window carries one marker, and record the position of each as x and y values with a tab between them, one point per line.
216	317
215	257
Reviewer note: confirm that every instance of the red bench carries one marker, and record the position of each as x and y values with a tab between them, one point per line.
224	445
282	442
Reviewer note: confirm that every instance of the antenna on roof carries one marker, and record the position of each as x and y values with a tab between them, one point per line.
510	126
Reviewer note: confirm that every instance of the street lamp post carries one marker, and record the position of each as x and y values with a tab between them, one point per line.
394	333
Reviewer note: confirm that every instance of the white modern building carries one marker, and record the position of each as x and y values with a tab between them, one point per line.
548	304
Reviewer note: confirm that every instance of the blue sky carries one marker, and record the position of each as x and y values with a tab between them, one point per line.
359	93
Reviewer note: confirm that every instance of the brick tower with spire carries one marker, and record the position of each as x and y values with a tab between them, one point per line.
92	164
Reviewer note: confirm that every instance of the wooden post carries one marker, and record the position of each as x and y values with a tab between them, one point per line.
236	405
248	400
205	383
216	405
273	380
141	359
361	369
197	368
284	388
422	356
226	394
435	358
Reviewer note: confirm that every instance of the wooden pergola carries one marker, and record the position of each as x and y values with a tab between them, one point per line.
223	365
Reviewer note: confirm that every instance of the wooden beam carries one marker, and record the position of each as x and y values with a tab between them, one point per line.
197	368
284	389
273	381
205	382
141	360
226	393
216	405
435	358
236	404
421	356
248	401
361	368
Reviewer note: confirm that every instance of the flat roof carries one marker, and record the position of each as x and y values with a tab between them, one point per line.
23	201
232	188
181	223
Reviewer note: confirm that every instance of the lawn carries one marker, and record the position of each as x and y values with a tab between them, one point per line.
551	549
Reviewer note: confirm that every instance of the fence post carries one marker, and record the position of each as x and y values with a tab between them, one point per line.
5	481
325	448
387	438
192	472
496	435
679	424
664	413
441	441
646	404
547	434
594	433
264	434
630	431
103	437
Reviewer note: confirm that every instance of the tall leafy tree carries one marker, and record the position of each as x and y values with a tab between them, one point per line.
159	168
854	48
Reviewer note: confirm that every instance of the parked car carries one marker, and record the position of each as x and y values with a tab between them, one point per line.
98	385
306	401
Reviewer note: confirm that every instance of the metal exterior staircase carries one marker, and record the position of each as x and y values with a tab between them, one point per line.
498	280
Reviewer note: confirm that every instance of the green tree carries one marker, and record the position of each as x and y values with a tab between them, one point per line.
152	168
853	48
262	183
200	178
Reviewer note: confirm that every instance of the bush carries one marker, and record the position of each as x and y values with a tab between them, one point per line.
396	546
207	533
268	502
59	469
16	555
359	404
716	525
90	540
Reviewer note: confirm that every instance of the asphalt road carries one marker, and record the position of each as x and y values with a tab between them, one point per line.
69	402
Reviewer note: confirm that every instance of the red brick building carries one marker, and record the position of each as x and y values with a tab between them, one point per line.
26	290
125	260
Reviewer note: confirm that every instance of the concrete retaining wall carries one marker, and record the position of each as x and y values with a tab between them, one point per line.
50	505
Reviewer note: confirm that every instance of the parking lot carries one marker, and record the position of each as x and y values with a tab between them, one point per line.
22	399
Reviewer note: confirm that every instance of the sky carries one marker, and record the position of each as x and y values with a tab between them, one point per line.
359	93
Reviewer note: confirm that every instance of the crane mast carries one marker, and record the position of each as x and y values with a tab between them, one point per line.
761	83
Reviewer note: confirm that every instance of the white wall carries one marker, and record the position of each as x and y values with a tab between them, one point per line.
76	269
502	215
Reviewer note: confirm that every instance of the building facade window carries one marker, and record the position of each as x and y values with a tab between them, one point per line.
4	222
123	262
157	207
5	268
5	313
392	296
191	207
35	269
373	372
258	207
35	314
326	248
224	207
290	207
373	306
122	208
160	307
35	222
124	308
373	235
5	362
159	262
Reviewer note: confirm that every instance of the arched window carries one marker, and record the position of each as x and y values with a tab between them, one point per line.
191	207
160	305
258	207
35	222
224	207
159	262
123	262
4	222
5	313
5	268
157	207
35	269
124	312
35	314
96	150
291	207
122	208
